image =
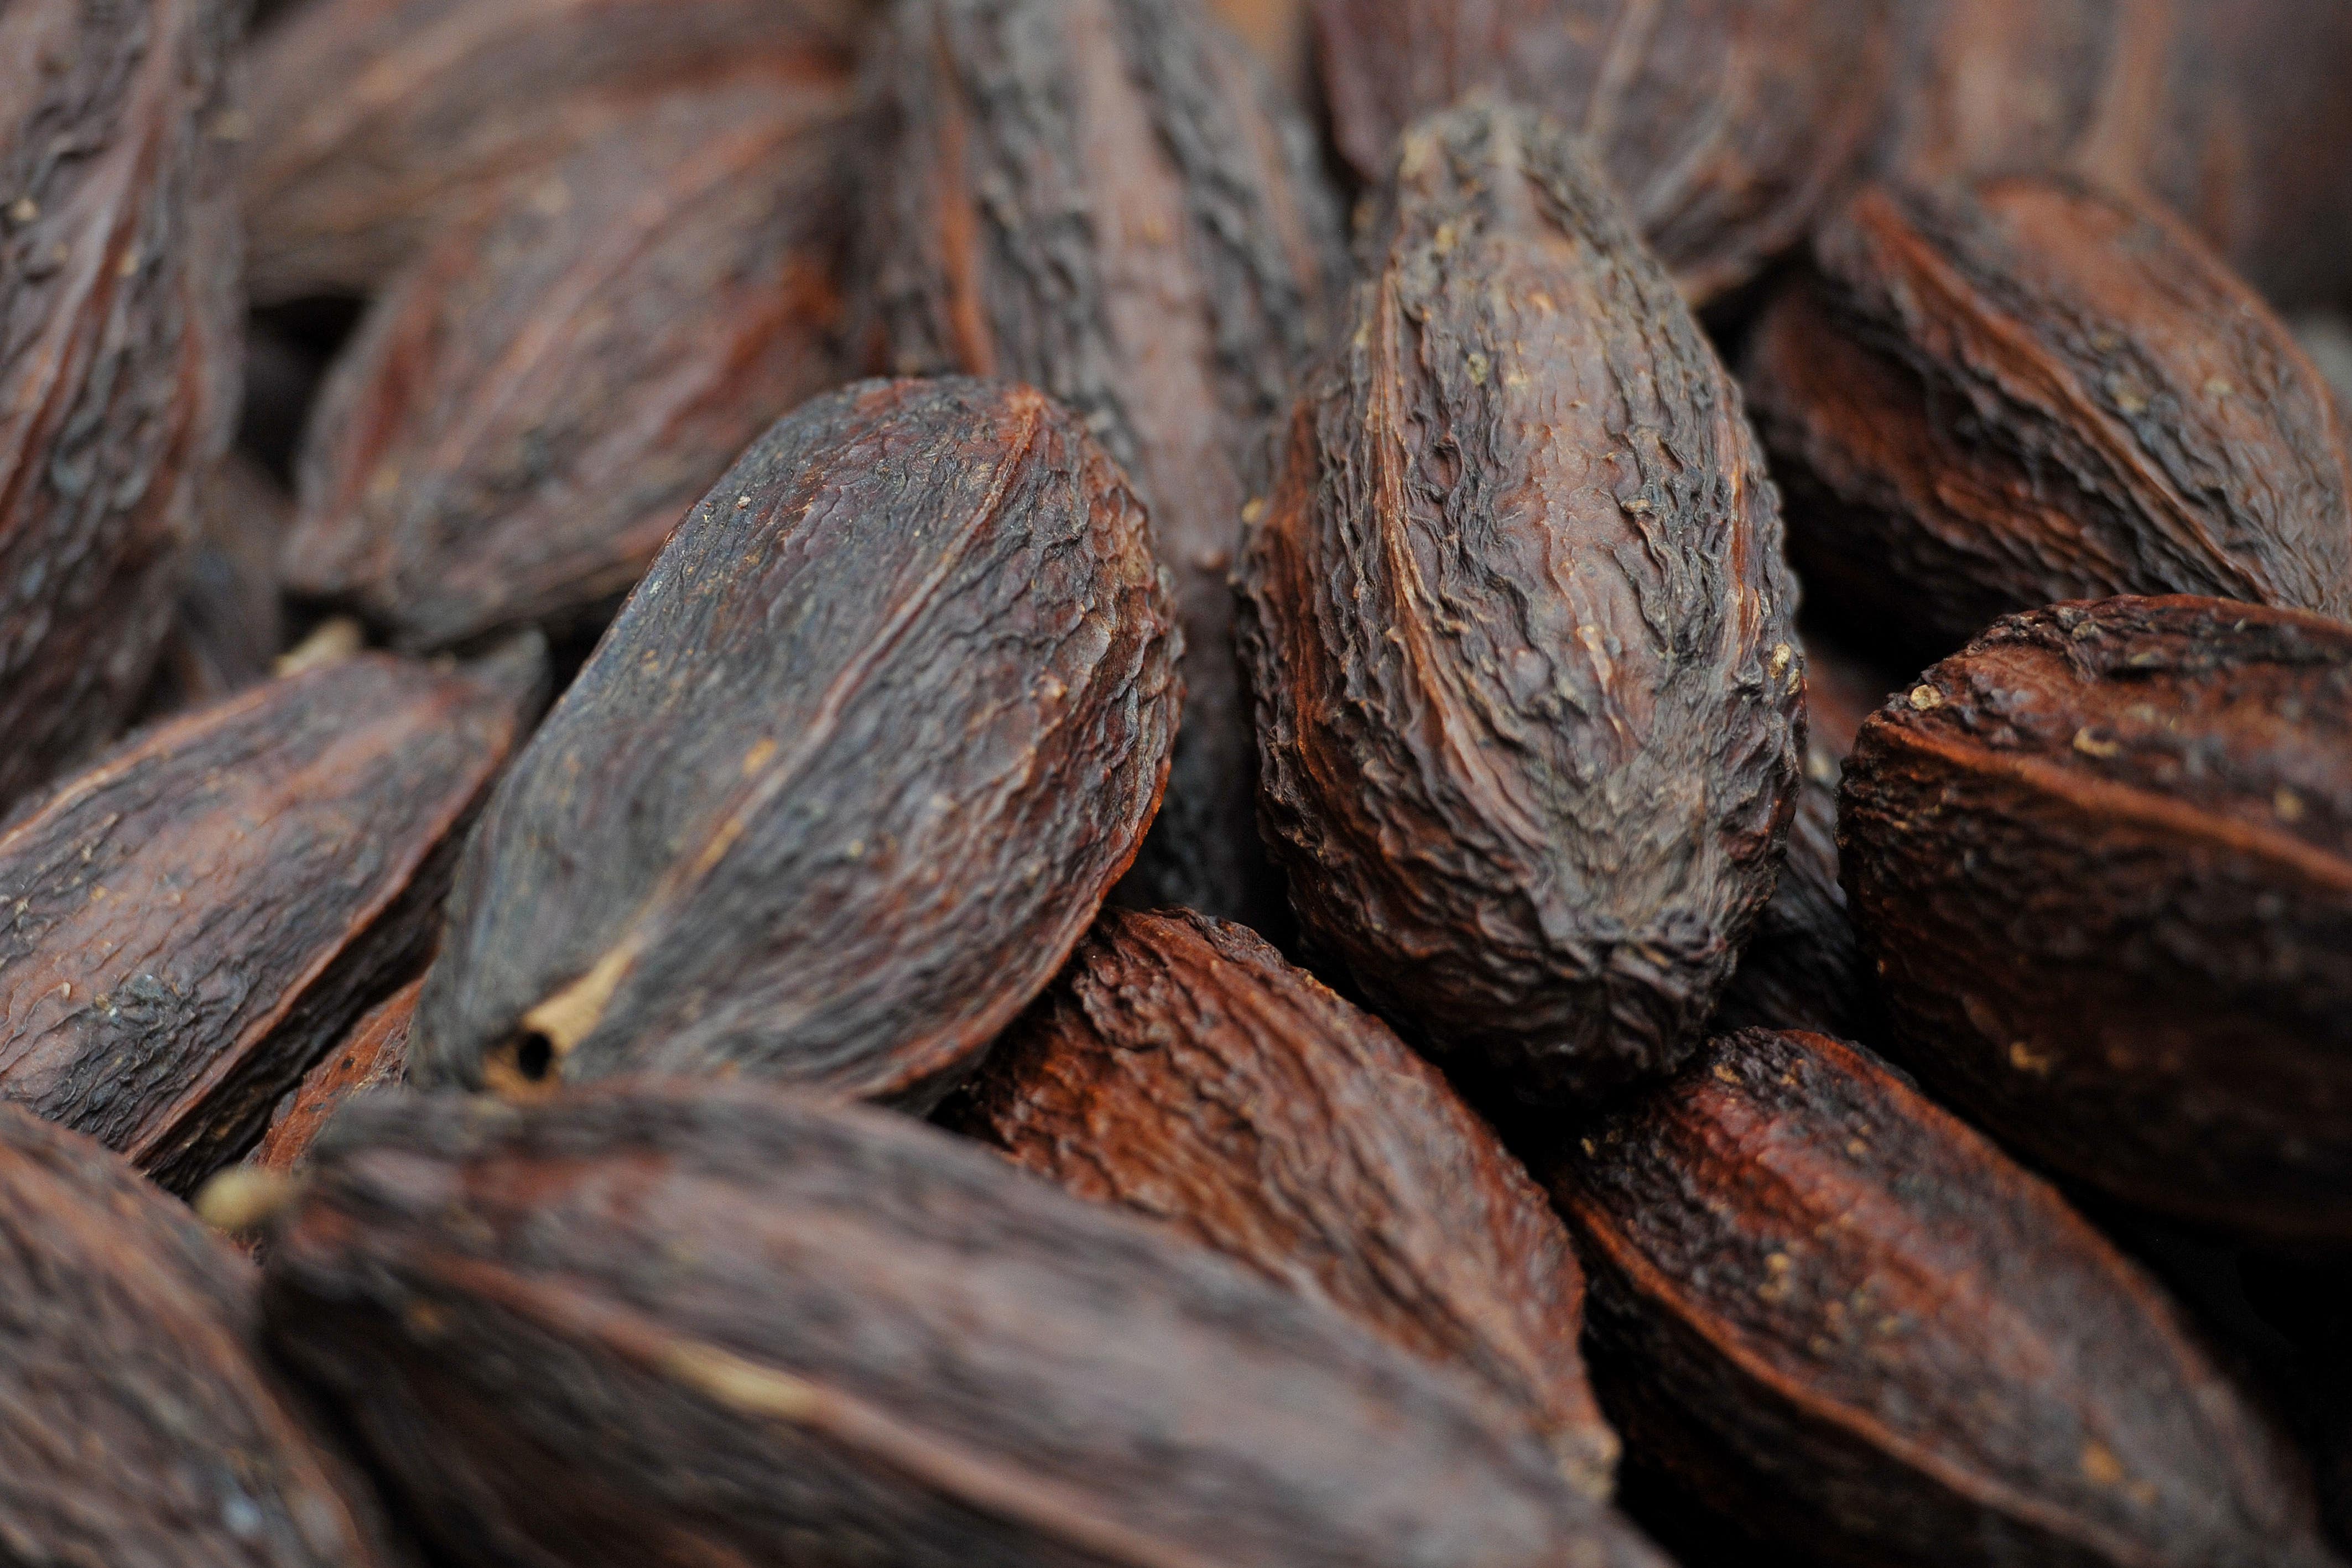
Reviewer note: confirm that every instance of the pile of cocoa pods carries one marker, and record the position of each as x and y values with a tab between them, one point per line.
1175	783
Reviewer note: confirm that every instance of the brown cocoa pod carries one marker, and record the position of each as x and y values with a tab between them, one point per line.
437	104
229	625
1845	1321
1279	32
1104	198
847	780
1181	1068
1990	400
374	1054
529	412
139	1428
118	351
2102	861
1726	124
199	915
665	1322
1519	630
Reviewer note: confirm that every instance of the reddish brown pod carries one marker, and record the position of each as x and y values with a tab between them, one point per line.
845	781
1519	630
229	626
140	1427
198	915
2030	390
529	411
1726	124
118	351
2102	861
1181	1068
1107	200
1854	1327
372	1056
374	122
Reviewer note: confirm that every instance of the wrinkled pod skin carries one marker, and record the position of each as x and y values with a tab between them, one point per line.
676	1322
372	1056
1842	1319
848	778
1518	632
2101	865
1105	198
1181	1068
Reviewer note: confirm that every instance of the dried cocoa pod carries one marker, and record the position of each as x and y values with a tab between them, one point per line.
1854	1326
1104	198
1988	401
845	781
1726	124
1519	630
679	1323
1182	1068
139	1427
1280	33
373	1055
532	407
118	351
2102	861
229	626
438	103
199	915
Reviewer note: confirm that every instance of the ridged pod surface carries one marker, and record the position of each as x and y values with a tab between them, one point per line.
373	1055
198	915
1519	630
2102	861
1181	1068
1105	198
117	351
1851	1324
1990	400
845	781
669	1322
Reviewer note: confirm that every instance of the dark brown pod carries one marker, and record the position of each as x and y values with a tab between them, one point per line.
528	413
2102	861
374	122
139	1427
373	1055
845	781
1726	124
1518	628
229	626
1105	198
118	351
1988	401
198	915
677	1323
1848	1322
1182	1068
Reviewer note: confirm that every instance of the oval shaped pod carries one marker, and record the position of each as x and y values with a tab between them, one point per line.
1518	628
848	778
1181	1068
1726	124
372	1056
527	414
118	351
1844	1320
666	1322
198	915
1989	401
2102	861
140	1427
1105	199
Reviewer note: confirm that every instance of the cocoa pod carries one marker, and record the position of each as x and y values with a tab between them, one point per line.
118	351
374	1054
1989	400
1279	32
531	408
1726	124
229	626
1519	630
2102	861
668	1321
1181	1068
199	915
139	1426
845	781
1105	199
1856	1327
435	104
